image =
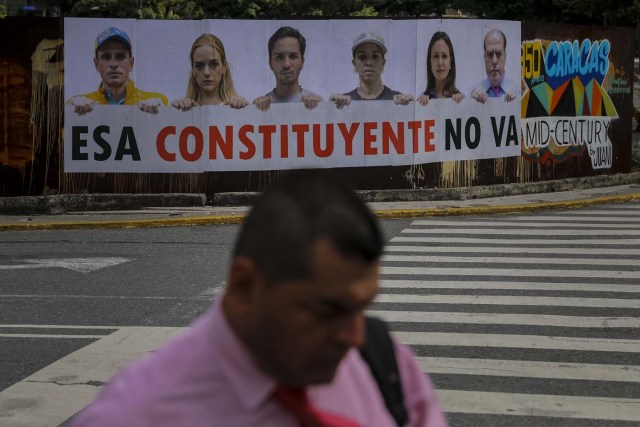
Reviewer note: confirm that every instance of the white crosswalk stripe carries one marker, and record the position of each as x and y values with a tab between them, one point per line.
503	241
518	260
389	284
617	252
522	316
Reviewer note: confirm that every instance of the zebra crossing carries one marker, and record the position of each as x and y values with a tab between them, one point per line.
522	319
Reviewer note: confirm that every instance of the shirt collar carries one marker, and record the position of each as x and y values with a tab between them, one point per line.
495	91
252	386
110	99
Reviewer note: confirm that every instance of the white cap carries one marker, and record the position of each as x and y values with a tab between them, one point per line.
369	37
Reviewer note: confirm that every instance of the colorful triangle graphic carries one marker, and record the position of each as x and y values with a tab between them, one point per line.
609	108
557	94
586	110
524	103
588	94
596	99
542	93
578	95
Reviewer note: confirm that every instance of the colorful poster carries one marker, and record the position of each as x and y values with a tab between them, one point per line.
577	100
167	96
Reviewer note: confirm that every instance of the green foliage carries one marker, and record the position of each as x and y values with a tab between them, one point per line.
599	12
367	11
141	9
282	9
3	11
413	8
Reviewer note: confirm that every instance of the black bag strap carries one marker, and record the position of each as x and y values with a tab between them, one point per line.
379	353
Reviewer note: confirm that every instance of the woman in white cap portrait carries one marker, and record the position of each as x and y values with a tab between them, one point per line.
210	81
368	61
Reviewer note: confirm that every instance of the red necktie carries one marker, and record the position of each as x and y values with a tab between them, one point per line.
295	400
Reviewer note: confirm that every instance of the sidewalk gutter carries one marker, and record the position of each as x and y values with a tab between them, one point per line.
505	209
382	214
63	203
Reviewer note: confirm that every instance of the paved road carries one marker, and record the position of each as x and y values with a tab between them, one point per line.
523	319
520	319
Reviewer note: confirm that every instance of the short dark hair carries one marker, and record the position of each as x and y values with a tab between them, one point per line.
283	33
299	210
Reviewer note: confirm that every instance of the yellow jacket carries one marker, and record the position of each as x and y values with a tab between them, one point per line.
132	95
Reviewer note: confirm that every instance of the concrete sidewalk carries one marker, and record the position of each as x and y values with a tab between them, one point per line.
129	211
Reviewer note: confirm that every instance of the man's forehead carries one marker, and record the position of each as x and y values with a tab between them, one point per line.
286	45
113	45
494	40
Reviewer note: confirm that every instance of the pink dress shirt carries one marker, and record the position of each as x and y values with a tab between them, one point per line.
206	377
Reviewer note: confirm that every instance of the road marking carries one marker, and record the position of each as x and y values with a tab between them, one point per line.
529	369
28	326
547	242
507	319
517	341
386	284
584	216
516	272
82	265
50	336
520	232
508	300
55	393
510	260
125	297
536	224
511	250
478	402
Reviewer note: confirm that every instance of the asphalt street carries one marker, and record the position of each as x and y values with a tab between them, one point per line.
163	277
520	319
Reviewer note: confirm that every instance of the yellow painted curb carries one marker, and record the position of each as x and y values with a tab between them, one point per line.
384	214
137	223
499	209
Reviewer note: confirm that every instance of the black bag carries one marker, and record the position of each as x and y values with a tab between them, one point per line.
380	355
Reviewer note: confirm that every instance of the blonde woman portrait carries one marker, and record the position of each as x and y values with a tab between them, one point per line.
210	81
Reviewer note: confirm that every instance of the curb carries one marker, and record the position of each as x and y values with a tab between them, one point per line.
460	193
61	203
381	214
505	209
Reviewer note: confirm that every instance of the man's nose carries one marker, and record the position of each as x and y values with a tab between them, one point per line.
351	330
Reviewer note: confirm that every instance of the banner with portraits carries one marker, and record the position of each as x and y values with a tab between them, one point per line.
150	128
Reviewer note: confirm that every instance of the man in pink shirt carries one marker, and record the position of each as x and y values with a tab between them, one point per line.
281	346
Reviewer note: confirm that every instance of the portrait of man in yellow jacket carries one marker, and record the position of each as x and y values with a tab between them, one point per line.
114	62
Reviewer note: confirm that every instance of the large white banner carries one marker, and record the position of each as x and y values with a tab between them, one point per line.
216	138
122	138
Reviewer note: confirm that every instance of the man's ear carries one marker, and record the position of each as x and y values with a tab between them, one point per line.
244	282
